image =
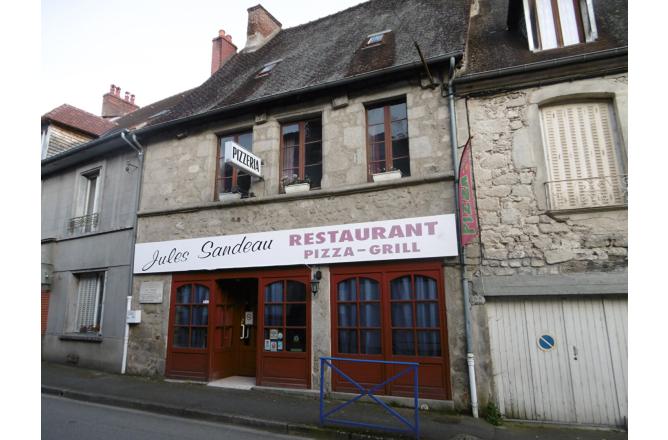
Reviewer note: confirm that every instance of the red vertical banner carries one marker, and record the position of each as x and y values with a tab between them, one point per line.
468	216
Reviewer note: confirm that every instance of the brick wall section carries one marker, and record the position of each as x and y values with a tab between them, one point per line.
45	309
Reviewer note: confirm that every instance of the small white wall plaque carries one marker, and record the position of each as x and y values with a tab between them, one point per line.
133	317
151	292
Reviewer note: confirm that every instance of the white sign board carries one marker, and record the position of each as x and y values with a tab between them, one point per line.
239	157
151	292
133	317
419	237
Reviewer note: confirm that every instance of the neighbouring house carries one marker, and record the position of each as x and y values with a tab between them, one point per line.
89	191
544	97
66	127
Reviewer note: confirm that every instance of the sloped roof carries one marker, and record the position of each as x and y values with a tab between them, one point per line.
492	46
330	49
79	119
143	115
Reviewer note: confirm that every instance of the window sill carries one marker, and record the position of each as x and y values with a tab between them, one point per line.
83	337
586	209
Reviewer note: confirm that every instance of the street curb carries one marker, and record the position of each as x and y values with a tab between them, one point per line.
232	419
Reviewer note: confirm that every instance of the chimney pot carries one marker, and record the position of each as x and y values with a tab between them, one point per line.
222	50
127	95
112	88
132	99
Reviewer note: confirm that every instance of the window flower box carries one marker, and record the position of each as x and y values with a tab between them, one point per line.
229	196
387	175
297	187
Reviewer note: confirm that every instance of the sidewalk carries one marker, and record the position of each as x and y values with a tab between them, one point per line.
279	412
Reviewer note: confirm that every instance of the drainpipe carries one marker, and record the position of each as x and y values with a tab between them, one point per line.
136	146
470	358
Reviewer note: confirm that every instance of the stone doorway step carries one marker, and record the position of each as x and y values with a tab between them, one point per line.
234	382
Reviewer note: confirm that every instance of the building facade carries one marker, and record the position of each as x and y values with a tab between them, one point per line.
370	140
548	118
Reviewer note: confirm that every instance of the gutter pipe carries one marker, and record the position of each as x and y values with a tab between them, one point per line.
470	357
137	147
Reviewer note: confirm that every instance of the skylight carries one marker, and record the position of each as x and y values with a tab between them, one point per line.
376	38
267	68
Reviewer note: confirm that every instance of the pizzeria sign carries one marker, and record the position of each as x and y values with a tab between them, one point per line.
408	238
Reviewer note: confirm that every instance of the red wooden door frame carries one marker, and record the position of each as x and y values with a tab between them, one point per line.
388	272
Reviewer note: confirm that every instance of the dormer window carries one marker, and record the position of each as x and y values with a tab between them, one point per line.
558	23
375	39
267	68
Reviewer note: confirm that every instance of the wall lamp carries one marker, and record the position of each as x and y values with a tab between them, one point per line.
315	282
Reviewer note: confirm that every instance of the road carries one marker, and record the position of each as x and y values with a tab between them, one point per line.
74	420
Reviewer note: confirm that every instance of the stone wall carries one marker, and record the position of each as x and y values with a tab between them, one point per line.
181	172
519	236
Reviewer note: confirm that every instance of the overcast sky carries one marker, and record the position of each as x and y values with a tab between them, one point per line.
152	48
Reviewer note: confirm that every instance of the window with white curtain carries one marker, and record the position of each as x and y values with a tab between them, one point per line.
583	156
90	302
559	23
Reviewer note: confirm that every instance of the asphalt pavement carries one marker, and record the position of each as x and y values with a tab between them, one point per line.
280	412
75	420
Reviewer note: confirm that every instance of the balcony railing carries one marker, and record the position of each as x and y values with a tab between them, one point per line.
592	192
83	224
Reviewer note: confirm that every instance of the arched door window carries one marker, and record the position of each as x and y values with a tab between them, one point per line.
191	316
414	316
359	316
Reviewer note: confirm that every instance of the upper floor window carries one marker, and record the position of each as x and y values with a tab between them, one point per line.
87	204
229	179
583	155
301	153
89	302
387	139
559	23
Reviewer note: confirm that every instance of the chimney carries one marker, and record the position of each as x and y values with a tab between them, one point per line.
262	26
221	51
113	106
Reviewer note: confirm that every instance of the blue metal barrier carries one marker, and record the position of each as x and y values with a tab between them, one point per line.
413	428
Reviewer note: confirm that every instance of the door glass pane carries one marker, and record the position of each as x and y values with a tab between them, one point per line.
400	288
369	290
425	288
200	315
402	315
295	314
198	337
347	315
296	291
403	342
427	314
370	342
182	315
348	341
181	337
274	292
295	340
201	294
429	343
273	315
347	290
369	315
183	294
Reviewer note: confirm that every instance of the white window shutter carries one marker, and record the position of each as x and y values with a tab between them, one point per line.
581	155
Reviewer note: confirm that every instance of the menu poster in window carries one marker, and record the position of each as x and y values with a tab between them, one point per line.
273	334
150	292
267	344
274	346
279	345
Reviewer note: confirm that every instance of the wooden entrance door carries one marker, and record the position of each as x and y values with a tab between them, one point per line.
235	329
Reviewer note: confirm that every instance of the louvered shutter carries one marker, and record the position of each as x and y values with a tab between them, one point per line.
88	293
581	156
